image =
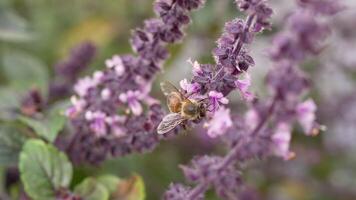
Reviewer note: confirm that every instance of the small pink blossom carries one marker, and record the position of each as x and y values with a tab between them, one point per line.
132	99
118	131
115	119
196	67
97	122
105	94
252	118
83	85
116	63
77	107
243	86
191	88
281	139
215	98
98	77
306	115
220	122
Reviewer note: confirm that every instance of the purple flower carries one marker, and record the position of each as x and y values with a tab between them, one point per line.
326	7
205	169
190	88
97	122
105	93
243	86
77	107
197	70
132	98
84	84
178	192
281	140
215	99
252	118
116	63
220	122
306	116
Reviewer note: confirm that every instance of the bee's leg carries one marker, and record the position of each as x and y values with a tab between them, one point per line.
185	125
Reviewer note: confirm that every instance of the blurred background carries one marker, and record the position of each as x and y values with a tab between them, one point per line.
36	34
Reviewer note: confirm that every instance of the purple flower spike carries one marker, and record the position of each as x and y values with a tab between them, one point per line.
124	85
266	129
68	70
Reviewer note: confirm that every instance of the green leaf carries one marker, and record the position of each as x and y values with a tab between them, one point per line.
24	72
91	189
43	170
110	182
49	126
132	188
9	100
12	27
11	141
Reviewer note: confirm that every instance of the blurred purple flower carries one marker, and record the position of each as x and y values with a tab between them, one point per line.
281	139
219	123
243	86
306	115
68	70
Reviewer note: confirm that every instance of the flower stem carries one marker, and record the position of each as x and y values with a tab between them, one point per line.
199	189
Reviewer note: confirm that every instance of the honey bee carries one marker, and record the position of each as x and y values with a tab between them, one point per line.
181	108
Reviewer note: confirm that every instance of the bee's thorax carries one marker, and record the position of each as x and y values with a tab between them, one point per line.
190	110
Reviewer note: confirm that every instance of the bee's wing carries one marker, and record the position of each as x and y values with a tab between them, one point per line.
167	88
169	122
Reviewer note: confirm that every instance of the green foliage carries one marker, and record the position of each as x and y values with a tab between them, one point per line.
110	182
48	126
108	187
11	141
43	170
91	189
13	28
24	71
9	100
132	188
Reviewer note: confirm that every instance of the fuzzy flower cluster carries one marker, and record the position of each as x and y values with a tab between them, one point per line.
266	128
112	112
